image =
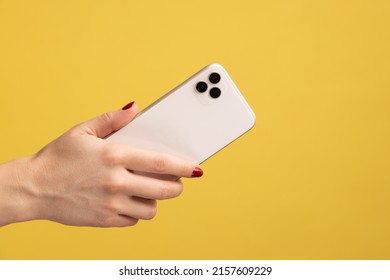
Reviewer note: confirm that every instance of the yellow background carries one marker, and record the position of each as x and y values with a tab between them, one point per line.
311	180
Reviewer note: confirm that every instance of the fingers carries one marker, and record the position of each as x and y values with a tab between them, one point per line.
132	211
126	211
150	188
140	208
119	221
133	197
159	163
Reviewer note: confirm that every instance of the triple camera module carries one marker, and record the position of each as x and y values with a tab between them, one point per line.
214	92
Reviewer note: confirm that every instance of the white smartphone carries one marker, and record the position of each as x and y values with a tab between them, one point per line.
193	121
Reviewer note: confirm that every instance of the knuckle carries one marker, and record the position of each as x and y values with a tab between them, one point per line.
164	190
112	156
169	189
113	184
160	164
106	117
110	207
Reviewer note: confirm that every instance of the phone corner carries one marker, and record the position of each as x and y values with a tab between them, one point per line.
215	65
252	120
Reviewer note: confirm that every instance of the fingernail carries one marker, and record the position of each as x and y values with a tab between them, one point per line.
197	172
128	106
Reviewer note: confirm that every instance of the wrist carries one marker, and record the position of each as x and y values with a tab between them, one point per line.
19	197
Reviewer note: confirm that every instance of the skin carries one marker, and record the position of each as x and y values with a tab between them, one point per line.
81	179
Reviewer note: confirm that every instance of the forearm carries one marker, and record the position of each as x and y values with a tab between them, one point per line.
18	197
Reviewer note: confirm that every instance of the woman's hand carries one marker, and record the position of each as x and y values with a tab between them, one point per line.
81	179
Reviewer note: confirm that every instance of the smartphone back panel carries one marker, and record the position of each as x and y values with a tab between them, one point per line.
193	121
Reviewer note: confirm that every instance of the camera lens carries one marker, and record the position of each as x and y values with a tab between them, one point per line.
215	92
201	87
214	78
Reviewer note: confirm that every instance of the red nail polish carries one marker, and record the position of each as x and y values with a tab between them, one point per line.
128	106
197	172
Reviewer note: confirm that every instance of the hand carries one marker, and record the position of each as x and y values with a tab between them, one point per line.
81	179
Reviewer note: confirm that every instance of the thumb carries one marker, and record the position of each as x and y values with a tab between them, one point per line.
109	122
